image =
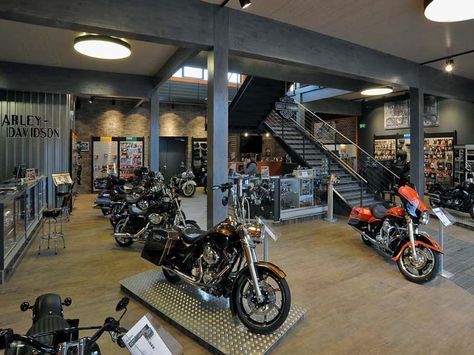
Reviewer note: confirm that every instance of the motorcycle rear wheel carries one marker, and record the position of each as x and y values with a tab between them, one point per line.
418	272
119	228
246	305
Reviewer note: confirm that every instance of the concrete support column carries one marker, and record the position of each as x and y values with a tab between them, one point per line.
417	135
217	116
154	156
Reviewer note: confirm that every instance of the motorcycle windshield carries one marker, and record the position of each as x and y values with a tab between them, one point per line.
412	197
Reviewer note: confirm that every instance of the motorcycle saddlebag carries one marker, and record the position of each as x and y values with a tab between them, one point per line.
158	245
359	214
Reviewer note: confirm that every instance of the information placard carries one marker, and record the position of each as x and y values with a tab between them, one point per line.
444	216
143	339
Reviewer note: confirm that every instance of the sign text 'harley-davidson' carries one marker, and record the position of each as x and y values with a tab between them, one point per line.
29	126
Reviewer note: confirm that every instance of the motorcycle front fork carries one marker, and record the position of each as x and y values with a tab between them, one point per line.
411	235
251	257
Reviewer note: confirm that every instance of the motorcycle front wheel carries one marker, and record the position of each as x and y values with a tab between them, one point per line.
268	315
189	190
120	228
422	270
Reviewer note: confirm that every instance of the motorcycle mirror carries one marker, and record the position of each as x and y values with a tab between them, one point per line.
225	201
67	301
25	306
123	303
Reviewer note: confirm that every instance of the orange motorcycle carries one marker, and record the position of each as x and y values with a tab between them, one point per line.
394	231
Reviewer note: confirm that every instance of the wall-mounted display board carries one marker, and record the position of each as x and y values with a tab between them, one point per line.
385	148
397	113
131	155
439	158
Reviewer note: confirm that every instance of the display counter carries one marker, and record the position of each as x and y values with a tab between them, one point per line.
21	208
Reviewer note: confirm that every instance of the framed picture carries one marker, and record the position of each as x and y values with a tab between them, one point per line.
83	146
397	114
431	111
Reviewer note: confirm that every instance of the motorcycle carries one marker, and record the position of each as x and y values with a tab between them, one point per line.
184	183
223	262
51	333
394	232
459	198
161	213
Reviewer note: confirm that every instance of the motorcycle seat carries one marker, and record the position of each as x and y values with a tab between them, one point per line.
379	210
192	234
136	211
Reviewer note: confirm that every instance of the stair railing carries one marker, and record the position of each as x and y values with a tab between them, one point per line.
371	174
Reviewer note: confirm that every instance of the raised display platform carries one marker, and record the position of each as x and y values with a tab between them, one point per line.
205	318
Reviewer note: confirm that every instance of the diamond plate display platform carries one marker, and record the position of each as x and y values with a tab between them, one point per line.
205	318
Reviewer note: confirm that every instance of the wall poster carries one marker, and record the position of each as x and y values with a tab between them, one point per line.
396	114
431	111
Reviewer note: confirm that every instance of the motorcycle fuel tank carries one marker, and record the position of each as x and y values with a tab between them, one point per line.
360	214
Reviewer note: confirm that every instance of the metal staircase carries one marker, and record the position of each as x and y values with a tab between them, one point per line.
319	145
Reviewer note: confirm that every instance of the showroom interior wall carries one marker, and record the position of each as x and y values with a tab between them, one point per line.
454	115
103	117
35	132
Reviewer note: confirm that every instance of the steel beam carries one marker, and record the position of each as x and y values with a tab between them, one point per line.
417	140
175	62
38	78
336	106
218	118
154	157
321	94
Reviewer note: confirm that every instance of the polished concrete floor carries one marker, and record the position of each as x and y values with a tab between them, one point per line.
357	302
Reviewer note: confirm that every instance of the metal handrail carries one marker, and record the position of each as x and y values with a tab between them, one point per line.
348	139
335	156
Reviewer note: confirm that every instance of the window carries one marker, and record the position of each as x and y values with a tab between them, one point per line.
234	78
192	72
206	74
179	73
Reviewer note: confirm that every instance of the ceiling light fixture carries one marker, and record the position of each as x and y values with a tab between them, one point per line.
246	134
267	134
449	10
91	99
102	47
384	90
449	66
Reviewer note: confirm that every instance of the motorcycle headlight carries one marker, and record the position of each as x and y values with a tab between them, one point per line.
255	231
425	217
154	218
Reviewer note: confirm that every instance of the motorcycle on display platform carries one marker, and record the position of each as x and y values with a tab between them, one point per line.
184	183
51	333
223	262
394	232
459	198
137	223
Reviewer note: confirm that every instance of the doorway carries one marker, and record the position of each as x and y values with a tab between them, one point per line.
172	155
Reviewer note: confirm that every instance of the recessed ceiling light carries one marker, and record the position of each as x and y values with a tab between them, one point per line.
449	10
377	91
449	66
245	3
103	47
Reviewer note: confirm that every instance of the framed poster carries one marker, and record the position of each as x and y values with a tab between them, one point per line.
431	111
83	146
396	114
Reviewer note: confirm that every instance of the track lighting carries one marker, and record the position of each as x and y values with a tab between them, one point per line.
91	99
377	91
449	10
246	134
449	66
245	3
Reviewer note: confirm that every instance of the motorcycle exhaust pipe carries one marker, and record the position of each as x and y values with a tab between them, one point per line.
128	235
184	276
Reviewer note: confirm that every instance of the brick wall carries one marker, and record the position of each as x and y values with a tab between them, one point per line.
101	118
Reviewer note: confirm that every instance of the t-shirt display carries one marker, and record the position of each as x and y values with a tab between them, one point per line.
131	157
439	160
385	149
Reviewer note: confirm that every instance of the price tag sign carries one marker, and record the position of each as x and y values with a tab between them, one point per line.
444	216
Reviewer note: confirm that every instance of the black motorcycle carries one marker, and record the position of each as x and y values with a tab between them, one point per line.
223	262
137	223
460	197
51	333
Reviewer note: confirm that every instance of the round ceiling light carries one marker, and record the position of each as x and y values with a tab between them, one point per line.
103	47
377	91
449	10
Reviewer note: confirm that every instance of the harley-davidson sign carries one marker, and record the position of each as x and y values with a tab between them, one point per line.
29	126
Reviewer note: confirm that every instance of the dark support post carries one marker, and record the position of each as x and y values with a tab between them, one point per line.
218	120
154	159
417	136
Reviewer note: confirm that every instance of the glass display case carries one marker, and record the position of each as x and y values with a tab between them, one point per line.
21	208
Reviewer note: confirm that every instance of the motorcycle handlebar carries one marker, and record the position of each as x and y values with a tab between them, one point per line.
223	187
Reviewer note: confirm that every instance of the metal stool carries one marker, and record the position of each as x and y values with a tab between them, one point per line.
51	216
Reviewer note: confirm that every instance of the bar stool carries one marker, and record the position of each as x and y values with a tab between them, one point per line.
53	216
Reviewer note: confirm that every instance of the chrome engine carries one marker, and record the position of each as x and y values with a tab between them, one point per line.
387	234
